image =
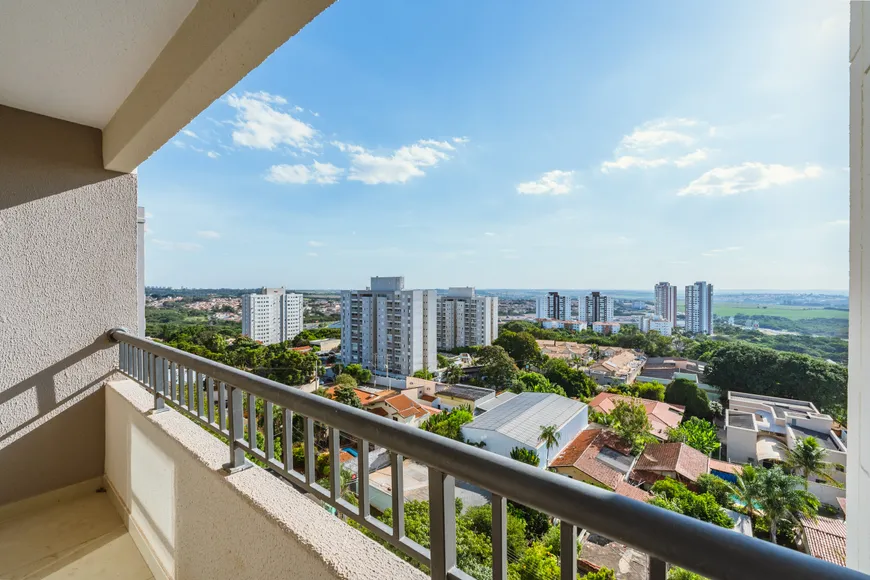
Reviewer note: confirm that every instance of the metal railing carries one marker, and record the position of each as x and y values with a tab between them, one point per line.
217	403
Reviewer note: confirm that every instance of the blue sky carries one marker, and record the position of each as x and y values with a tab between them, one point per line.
520	145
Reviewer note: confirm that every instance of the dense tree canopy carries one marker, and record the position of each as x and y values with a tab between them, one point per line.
499	369
687	393
526	456
449	423
521	346
697	433
361	375
673	495
535	383
629	420
575	382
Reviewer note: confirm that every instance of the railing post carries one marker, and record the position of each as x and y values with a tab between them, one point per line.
658	570
158	378
237	433
499	537
397	489
442	523
568	551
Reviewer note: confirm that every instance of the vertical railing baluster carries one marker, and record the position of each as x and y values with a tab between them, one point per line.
568	551
201	383
398	494
237	433
252	422
222	406
334	463
269	422
658	570
182	386
362	478
309	450
135	365
146	360
191	390
122	357
159	380
173	378
209	386
287	448
442	523
499	538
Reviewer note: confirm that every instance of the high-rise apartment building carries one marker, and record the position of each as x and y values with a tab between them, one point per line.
465	319
666	302
553	306
386	328
699	308
271	316
597	308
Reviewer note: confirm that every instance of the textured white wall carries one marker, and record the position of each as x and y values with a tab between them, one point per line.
67	275
205	524
858	470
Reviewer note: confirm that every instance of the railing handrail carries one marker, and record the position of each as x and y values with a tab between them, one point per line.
704	548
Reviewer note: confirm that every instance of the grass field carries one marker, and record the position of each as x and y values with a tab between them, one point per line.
791	312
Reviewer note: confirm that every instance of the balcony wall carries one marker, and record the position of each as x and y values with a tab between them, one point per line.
67	274
192	520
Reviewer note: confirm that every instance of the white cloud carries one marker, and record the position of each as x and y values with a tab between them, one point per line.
749	176
556	182
179	144
396	167
461	140
148	215
490	234
298	109
320	173
210	234
190	133
315	244
658	143
720	251
213	154
176	246
259	125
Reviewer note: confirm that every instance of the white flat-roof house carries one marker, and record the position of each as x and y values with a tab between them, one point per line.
760	429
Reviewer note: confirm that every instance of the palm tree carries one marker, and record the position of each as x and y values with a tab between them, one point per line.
747	491
808	458
550	438
782	498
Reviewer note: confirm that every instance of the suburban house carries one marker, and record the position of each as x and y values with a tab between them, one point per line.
663	370
393	405
601	458
824	538
622	365
565	350
662	416
675	460
444	396
517	423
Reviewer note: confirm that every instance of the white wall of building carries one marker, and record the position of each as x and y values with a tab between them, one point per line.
699	308
741	443
272	316
465	319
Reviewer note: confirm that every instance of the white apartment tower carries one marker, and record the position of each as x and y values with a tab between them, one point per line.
387	327
666	302
465	319
598	308
553	306
699	308
271	316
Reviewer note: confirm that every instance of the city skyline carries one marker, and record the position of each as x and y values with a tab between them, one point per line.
705	148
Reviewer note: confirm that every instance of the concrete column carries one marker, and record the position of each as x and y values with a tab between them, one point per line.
140	269
858	464
67	275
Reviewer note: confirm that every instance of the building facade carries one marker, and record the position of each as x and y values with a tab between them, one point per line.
553	306
598	308
465	319
666	302
699	308
389	330
271	316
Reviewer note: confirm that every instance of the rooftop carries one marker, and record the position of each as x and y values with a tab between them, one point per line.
494	402
826	538
780	405
662	416
740	419
467	392
521	417
673	457
826	440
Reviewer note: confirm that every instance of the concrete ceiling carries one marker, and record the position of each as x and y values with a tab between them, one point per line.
79	60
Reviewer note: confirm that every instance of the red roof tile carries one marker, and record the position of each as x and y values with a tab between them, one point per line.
582	451
676	457
826	538
662	416
726	467
628	490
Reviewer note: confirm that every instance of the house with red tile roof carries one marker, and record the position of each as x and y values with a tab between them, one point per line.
398	407
662	416
601	458
824	538
675	460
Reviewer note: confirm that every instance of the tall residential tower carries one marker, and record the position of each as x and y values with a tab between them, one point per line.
666	302
699	308
597	308
465	319
387	327
271	316
553	306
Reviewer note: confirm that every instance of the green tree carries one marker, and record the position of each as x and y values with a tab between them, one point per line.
526	456
717	487
602	574
697	433
549	436
535	383
345	379
686	393
453	375
674	496
782	497
449	423
360	374
747	491
675	573
499	371
424	374
537	523
536	564
520	346
808	458
479	520
346	394
651	391
443	361
575	382
629	420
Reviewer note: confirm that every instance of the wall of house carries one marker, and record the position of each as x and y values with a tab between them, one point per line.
165	473
741	444
826	493
67	276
